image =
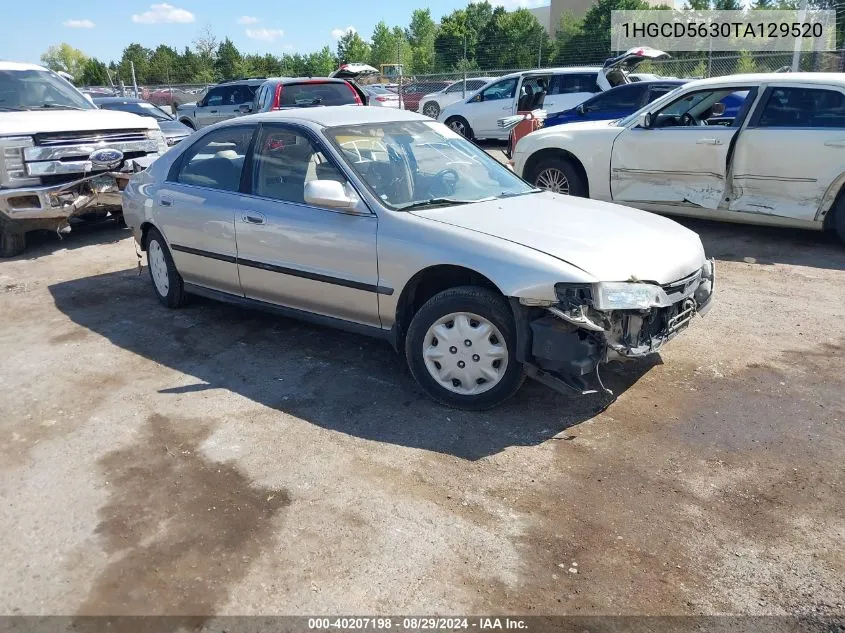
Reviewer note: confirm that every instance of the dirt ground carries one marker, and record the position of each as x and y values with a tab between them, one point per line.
217	461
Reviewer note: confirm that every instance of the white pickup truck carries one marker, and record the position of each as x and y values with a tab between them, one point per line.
61	156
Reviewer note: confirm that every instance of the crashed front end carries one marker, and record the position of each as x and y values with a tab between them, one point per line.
592	324
45	179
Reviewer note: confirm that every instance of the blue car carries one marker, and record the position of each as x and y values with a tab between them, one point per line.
624	100
616	103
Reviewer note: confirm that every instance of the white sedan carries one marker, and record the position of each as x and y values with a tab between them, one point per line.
780	160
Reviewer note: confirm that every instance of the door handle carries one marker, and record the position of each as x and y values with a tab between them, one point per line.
835	143
165	202
212	111
507	108
708	141
252	217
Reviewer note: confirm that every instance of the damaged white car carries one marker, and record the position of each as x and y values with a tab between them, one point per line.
779	159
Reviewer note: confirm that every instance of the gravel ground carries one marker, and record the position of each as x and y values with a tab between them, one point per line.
217	461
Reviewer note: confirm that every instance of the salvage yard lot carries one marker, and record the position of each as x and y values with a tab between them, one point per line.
213	460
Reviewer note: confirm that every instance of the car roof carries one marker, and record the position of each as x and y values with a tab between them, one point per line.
99	100
19	66
739	80
563	70
329	116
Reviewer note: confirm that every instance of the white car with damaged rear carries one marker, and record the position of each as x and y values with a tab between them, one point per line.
777	158
384	222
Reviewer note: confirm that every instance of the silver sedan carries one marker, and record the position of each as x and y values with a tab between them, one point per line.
385	222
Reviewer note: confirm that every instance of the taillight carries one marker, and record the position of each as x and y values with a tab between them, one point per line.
354	93
381	99
277	98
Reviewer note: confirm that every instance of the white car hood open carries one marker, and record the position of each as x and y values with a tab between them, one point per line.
40	121
608	241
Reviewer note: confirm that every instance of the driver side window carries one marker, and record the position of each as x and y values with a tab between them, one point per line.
501	90
214	97
693	109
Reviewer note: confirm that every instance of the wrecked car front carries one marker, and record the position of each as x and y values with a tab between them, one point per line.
637	280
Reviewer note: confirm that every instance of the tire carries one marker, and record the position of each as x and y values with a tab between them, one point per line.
470	309
839	217
166	281
460	125
431	109
561	171
12	244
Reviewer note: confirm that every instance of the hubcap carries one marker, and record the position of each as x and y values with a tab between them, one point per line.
465	353
458	126
553	179
158	268
431	110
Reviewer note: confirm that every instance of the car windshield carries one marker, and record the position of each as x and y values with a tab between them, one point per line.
39	89
423	163
143	108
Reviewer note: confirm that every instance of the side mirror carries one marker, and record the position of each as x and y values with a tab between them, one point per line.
327	193
648	120
718	108
476	99
245	108
580	109
200	103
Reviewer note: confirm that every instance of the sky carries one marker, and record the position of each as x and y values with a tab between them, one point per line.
102	28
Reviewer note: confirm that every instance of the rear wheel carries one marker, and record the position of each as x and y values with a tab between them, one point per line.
461	348
167	282
460	125
560	176
431	109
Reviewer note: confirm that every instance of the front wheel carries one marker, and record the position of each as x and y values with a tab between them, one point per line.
460	125
839	217
167	282
461	349
431	109
560	176
11	244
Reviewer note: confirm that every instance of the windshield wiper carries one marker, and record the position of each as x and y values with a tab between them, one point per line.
57	106
11	109
439	201
511	194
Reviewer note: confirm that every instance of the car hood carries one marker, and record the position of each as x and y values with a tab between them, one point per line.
608	241
40	121
174	128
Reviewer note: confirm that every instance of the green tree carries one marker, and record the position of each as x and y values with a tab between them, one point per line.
229	63
569	36
382	46
460	31
321	63
421	34
94	73
206	46
596	40
746	63
351	48
189	67
163	64
764	5
140	57
66	58
727	5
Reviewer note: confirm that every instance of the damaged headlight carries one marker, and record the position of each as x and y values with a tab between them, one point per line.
627	296
158	137
12	165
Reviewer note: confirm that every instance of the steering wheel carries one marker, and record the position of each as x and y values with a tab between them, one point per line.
448	178
688	120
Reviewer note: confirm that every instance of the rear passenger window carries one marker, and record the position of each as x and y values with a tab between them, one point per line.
571	83
804	107
216	161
